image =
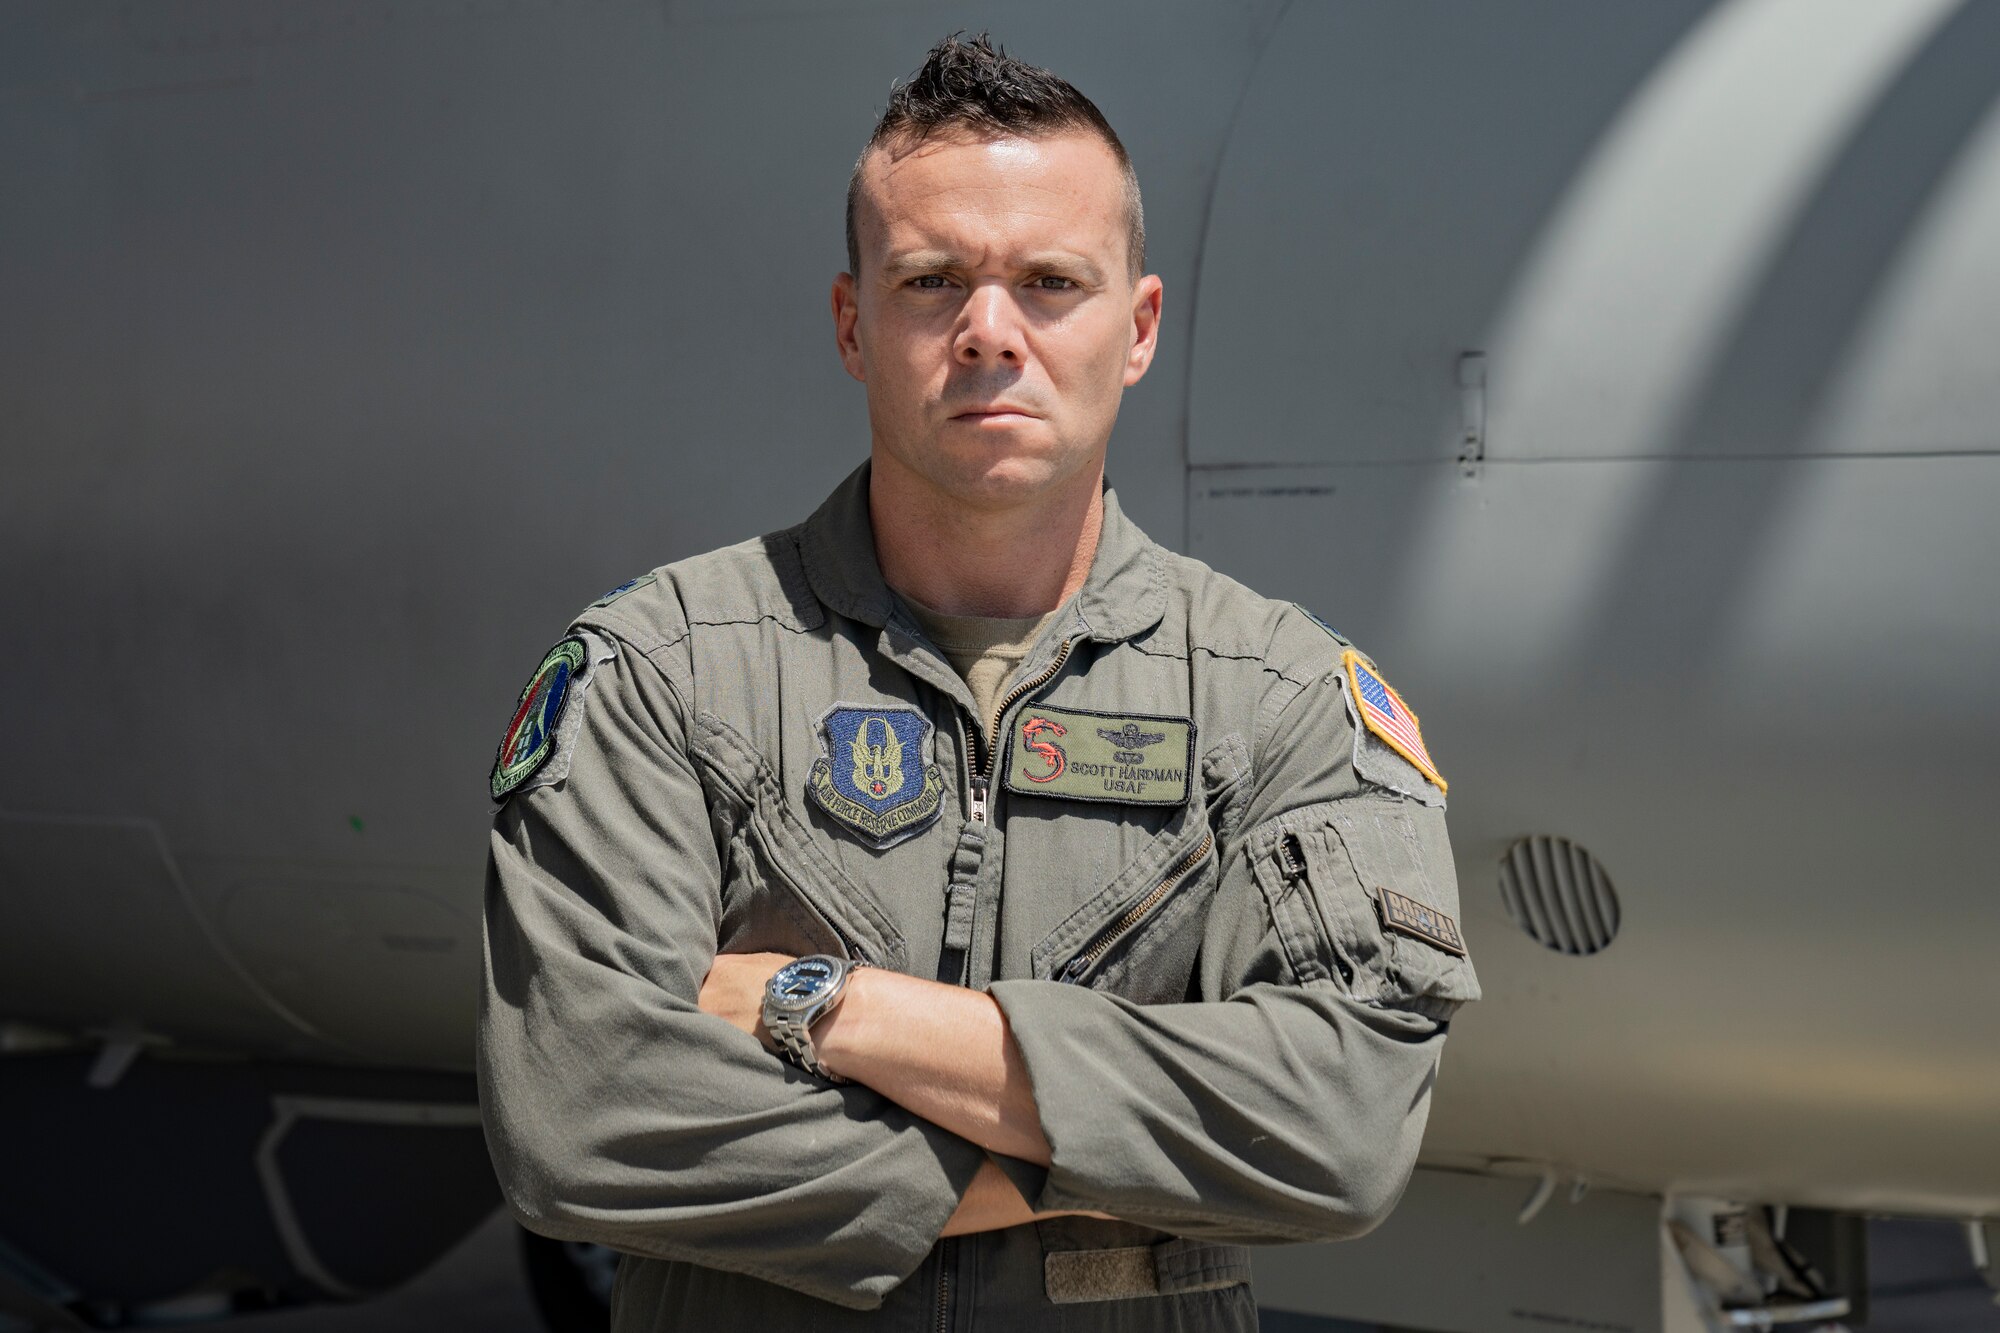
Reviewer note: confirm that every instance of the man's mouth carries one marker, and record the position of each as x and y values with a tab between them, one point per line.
994	414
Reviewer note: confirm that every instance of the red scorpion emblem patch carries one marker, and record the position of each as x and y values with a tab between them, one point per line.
1031	736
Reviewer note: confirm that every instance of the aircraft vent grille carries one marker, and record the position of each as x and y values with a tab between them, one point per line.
1558	893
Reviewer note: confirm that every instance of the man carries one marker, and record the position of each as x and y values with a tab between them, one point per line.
1145	876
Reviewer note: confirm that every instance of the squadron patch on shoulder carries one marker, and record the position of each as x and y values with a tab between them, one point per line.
531	736
1124	758
874	772
1321	623
1385	715
629	585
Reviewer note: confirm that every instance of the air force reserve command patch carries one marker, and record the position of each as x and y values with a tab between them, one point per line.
874	773
1124	758
531	736
1382	711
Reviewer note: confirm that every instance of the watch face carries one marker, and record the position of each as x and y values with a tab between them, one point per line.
800	982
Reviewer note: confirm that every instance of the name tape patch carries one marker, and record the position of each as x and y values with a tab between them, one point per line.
1079	755
1426	923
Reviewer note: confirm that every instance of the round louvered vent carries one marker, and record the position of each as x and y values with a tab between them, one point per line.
1557	892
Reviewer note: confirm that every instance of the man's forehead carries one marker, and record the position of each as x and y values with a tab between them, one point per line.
1065	191
997	150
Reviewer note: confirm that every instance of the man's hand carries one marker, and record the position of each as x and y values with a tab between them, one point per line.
991	1203
734	990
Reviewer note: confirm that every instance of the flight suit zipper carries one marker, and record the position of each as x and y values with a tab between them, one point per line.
985	750
947	1255
1133	915
987	743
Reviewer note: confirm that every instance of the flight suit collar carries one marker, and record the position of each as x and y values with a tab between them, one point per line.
1124	594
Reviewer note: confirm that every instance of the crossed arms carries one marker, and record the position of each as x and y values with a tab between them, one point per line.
619	1108
940	1051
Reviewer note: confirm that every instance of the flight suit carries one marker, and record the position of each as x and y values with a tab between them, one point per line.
1183	915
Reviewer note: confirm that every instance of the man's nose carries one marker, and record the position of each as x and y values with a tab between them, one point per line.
989	327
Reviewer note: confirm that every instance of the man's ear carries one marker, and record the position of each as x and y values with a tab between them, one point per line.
1145	327
846	316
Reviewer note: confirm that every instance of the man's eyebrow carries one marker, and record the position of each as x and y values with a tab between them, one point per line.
1062	263
1065	264
919	261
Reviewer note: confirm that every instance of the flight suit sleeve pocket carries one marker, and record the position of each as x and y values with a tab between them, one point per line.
1363	892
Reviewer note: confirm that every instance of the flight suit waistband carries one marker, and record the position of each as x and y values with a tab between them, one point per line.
1165	1268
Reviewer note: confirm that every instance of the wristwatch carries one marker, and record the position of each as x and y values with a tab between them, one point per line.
796	996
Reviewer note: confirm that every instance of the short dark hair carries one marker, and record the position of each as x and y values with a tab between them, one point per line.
976	86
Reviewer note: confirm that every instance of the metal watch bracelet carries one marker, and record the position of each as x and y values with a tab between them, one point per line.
794	1037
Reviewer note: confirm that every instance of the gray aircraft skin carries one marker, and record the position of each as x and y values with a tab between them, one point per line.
1623	378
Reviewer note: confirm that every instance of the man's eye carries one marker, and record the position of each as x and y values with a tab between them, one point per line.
929	282
1062	284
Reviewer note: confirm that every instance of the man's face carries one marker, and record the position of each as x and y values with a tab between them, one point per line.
995	320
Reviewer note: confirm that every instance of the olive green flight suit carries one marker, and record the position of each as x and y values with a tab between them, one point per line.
1227	1045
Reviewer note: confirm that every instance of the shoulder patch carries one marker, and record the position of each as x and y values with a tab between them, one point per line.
1080	755
531	737
629	585
874	773
1404	913
1383	713
1322	624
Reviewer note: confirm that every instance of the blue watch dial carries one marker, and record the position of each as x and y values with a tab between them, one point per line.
803	979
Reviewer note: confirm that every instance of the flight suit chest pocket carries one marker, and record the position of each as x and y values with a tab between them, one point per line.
1146	950
1140	936
1363	892
780	891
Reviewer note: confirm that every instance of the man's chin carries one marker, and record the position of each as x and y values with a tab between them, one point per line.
999	463
1002	481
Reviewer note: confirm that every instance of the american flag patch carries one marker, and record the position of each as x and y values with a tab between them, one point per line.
1385	714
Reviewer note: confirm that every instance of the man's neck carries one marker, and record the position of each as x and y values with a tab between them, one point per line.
1013	563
